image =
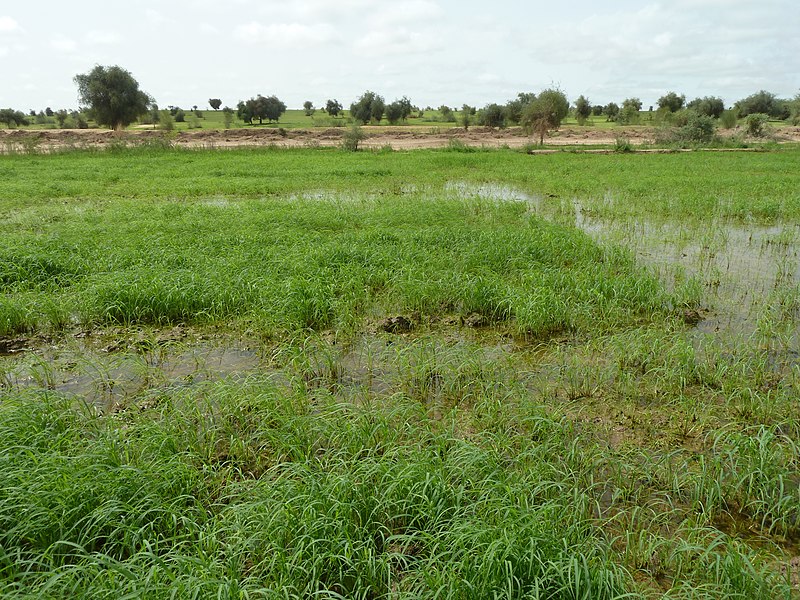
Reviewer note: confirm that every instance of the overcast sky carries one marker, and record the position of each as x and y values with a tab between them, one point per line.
436	52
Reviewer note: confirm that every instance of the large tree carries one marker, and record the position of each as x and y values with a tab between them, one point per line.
671	102
12	118
260	108
273	108
762	102
545	113
112	96
369	107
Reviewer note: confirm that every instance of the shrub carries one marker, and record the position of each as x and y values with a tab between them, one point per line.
699	129
755	124
180	116
353	137
623	145
167	123
728	119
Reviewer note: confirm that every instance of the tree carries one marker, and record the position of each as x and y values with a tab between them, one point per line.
214	103
180	116
260	108
398	110
447	114
61	117
394	112
333	108
611	111
244	110
112	95
272	108
12	118
710	106
515	108
493	115
466	115
155	115
583	109
369	107
227	117
629	114
671	102
308	107
762	102
545	113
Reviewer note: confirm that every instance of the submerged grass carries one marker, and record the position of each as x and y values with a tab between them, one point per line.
318	262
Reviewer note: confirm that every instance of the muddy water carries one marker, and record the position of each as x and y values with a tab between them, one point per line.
108	378
749	273
749	276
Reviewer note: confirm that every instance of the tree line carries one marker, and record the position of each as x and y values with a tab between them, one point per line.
111	97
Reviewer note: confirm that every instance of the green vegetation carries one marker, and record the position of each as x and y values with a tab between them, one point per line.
112	96
469	374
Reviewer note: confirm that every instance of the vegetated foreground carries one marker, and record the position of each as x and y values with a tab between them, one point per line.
381	375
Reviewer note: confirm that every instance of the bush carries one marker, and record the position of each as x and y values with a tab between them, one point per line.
166	123
180	116
728	119
353	137
623	145
756	123
698	129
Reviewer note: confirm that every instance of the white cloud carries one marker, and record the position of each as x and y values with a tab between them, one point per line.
286	34
410	11
63	44
154	17
207	29
399	41
8	25
102	38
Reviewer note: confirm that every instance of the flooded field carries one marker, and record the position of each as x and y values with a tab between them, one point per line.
423	386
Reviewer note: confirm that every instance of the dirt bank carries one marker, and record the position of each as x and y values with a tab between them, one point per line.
398	138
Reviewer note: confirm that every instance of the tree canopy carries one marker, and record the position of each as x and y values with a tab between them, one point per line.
333	107
369	107
545	113
710	106
260	107
12	118
671	102
214	103
112	96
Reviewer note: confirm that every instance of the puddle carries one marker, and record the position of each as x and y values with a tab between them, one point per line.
106	378
491	191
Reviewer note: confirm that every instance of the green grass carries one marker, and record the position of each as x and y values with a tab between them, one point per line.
581	440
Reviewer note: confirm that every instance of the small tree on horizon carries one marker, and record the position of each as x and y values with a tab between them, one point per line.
671	102
583	110
308	107
214	103
333	107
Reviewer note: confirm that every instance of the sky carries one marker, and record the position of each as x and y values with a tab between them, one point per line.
435	52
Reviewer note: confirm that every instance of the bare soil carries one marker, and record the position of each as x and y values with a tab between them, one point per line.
397	138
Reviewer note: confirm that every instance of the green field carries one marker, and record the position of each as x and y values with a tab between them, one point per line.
269	373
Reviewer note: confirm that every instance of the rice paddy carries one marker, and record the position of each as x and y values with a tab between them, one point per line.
433	374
